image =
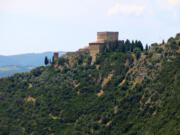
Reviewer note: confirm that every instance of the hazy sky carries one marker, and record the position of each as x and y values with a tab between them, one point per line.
67	25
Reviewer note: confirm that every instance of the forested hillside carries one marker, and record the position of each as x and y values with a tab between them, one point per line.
127	91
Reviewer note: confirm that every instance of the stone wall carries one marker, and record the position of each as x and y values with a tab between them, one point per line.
56	55
103	40
107	36
95	49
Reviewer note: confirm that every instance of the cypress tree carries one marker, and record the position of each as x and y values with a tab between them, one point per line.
46	61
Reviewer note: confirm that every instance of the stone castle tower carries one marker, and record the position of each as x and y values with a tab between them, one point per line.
107	36
103	38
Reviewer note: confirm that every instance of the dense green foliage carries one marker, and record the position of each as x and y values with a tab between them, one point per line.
124	46
46	61
65	101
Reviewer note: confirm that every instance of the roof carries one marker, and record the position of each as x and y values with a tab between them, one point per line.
86	48
97	42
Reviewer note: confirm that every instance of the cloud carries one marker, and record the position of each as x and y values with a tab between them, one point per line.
174	3
126	10
168	3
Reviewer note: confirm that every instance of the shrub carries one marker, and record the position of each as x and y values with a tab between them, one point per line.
150	55
158	50
174	45
170	40
178	36
61	61
154	44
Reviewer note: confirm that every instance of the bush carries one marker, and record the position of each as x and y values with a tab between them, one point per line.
61	61
150	54
158	50
138	55
178	36
170	40
174	45
154	44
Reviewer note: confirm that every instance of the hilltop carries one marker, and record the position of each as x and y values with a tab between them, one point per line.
126	90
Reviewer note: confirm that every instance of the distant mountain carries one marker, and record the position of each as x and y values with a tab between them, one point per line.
9	65
11	70
30	59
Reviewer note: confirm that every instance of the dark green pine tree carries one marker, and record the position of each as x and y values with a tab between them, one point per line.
140	45
128	45
163	42
146	47
132	46
46	61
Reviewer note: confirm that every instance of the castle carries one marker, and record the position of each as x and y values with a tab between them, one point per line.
103	39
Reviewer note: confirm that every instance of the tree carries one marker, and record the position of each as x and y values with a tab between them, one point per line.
46	61
146	47
53	61
140	45
163	42
137	53
132	46
50	61
128	45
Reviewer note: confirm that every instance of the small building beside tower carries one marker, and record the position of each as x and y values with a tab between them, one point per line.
56	55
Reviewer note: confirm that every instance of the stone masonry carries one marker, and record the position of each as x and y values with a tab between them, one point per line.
103	38
107	36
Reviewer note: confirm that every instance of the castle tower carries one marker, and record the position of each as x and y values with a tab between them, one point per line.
103	38
107	36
